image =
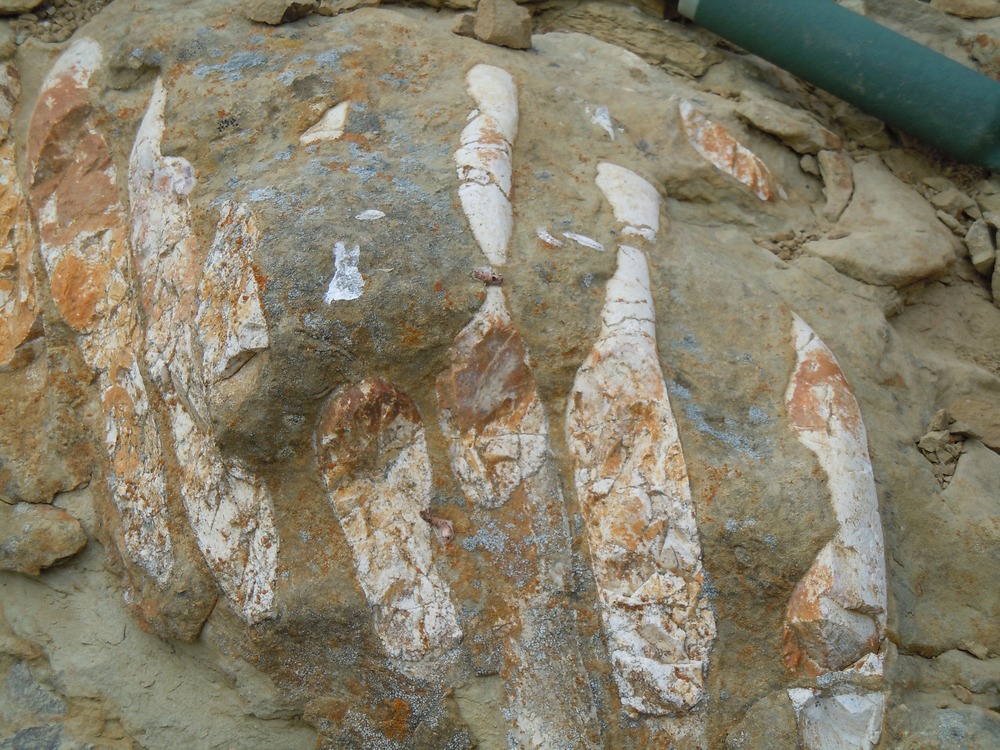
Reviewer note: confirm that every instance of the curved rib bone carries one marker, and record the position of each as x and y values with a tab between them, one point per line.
83	241
632	484
229	508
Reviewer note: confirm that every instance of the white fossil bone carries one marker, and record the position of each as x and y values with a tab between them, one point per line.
484	160
347	282
716	145
84	247
373	459
329	127
632	484
228	507
836	618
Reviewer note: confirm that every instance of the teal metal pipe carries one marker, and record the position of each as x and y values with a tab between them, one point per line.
903	83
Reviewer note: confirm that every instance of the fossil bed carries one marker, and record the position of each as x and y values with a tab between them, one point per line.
367	385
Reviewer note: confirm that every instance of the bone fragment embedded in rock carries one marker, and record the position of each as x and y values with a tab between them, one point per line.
330	126
837	613
228	507
498	438
484	160
840	721
83	238
634	201
717	146
836	618
373	458
18	302
230	322
631	481
583	240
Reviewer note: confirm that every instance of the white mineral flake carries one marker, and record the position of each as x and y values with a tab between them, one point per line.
370	214
602	118
547	238
583	240
330	126
347	282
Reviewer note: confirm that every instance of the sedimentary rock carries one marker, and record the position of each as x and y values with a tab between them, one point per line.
836	618
33	537
373	459
228	507
632	484
717	146
18	303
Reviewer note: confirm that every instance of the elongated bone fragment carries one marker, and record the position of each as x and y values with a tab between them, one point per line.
373	459
498	435
497	432
836	616
229	508
330	126
84	246
717	146
18	303
230	319
846	721
484	160
632	484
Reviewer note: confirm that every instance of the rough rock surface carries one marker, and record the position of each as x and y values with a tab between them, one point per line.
415	392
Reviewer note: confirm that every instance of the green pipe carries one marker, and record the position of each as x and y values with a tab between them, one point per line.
903	83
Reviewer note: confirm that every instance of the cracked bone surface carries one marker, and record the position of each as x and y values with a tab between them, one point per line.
716	145
836	617
84	247
484	159
631	481
18	303
228	507
498	439
373	458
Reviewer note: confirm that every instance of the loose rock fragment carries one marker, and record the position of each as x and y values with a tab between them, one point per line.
503	22
275	12
228	507
848	720
795	128
982	247
838	182
373	458
632	484
34	537
714	143
484	158
18	304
